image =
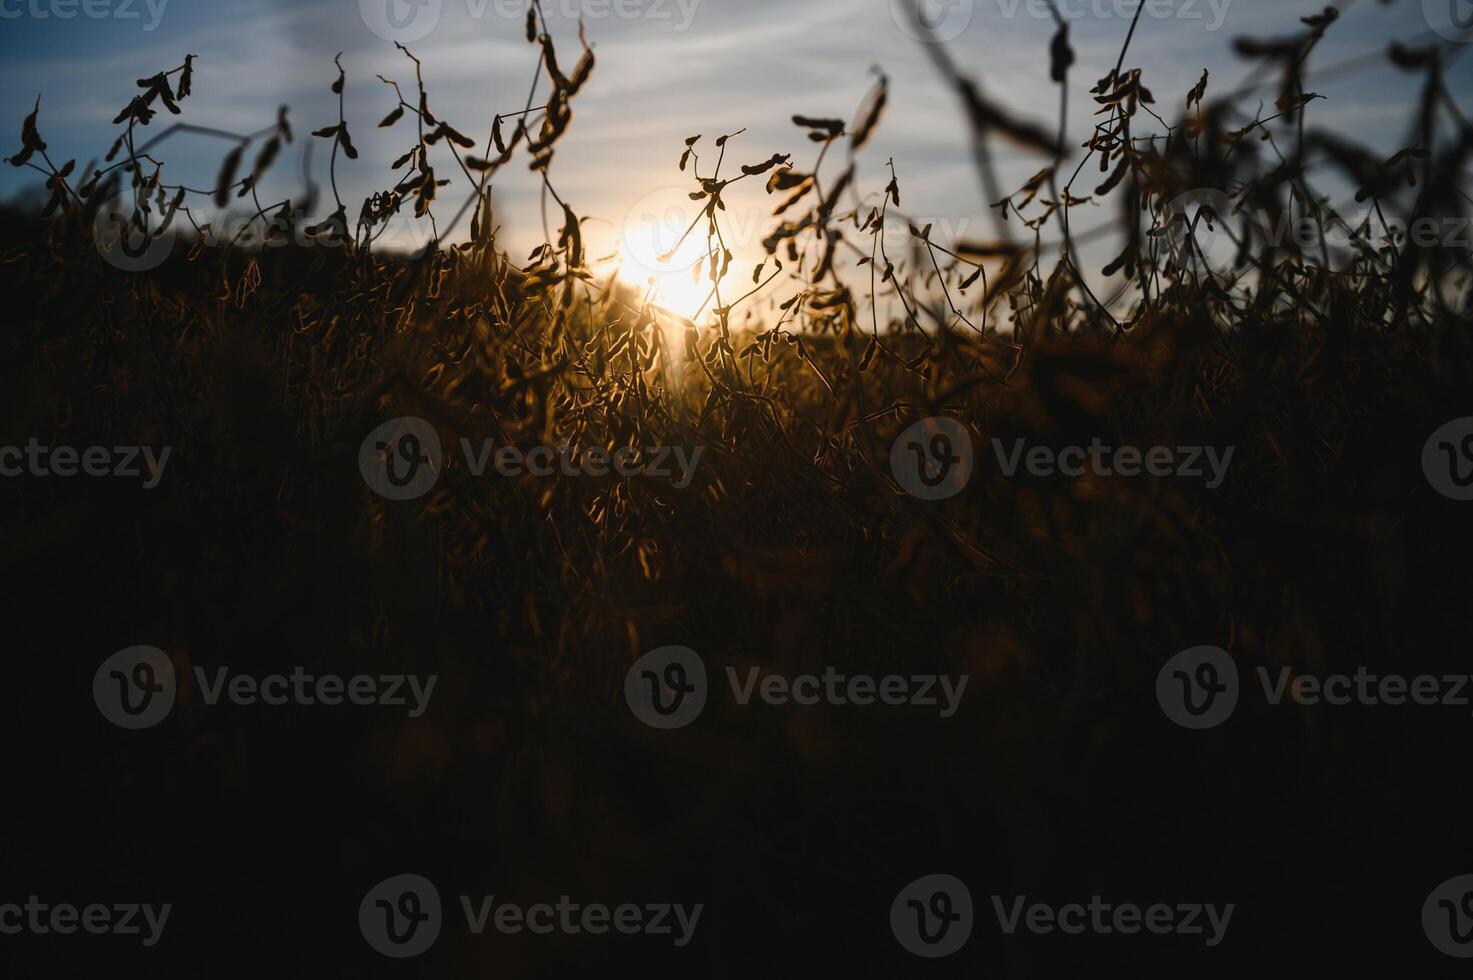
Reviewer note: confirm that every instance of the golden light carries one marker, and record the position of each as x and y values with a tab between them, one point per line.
675	292
665	239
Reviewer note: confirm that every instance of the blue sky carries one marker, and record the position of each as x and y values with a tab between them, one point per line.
667	69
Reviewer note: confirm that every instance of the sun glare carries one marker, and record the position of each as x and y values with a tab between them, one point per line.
671	289
665	240
675	292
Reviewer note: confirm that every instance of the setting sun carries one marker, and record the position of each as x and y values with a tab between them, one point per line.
665	241
677	294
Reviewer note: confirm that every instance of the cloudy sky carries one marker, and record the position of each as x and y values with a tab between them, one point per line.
667	69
